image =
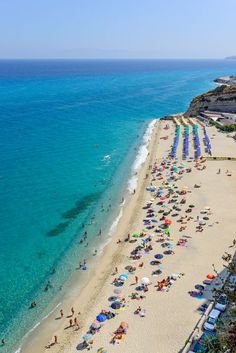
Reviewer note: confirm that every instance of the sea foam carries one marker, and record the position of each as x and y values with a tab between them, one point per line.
141	156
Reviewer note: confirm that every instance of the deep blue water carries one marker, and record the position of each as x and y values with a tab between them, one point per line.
58	119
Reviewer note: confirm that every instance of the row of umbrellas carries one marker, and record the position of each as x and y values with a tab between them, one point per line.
207	141
176	141
196	141
186	141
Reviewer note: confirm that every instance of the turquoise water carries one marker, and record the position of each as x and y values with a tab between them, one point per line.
58	120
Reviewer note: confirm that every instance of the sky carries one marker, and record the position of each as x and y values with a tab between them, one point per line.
117	28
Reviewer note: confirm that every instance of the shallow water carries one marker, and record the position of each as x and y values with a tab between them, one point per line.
69	131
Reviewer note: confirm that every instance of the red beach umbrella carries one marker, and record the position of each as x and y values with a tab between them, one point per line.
168	221
210	276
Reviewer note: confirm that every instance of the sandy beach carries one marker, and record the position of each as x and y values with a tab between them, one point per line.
170	314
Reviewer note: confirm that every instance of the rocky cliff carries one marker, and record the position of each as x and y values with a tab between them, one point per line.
221	99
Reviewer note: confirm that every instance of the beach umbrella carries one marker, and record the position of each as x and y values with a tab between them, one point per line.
87	337
123	277
102	350
101	317
210	276
117	291
158	256
168	221
136	234
145	280
116	305
96	324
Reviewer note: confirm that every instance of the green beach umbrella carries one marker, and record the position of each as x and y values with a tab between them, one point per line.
136	234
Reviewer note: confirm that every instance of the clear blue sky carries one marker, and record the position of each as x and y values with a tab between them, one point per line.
117	28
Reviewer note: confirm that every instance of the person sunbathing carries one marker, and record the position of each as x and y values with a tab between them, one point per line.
156	272
117	336
137	311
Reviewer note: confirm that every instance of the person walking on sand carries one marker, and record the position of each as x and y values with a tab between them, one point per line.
76	324
70	323
136	279
55	339
61	313
72	311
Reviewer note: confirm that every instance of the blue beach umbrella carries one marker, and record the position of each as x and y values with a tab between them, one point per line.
116	305
123	277
101	318
158	256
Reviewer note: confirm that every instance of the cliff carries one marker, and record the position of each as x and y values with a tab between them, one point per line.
221	99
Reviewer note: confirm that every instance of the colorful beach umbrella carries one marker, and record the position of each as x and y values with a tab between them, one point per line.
145	280
116	305
210	276
101	318
136	234
117	291
123	277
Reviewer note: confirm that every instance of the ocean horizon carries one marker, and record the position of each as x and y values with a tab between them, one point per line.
72	135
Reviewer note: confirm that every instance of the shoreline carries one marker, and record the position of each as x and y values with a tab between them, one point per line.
194	261
79	282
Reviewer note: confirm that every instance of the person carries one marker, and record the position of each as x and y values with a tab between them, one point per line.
72	311
61	313
116	270
55	339
90	345
134	191
33	305
70	323
76	323
136	279
3	342
137	311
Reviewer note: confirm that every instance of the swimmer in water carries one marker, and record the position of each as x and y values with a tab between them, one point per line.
33	305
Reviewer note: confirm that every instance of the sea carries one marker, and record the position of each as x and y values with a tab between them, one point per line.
72	135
